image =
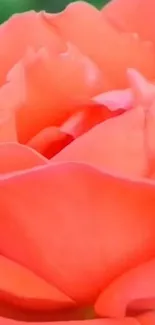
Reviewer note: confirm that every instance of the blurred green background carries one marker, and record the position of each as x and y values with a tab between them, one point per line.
9	7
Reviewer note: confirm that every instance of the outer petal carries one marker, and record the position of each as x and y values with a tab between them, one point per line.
52	213
127	321
132	16
21	287
22	31
17	284
55	88
111	49
15	157
133	292
147	319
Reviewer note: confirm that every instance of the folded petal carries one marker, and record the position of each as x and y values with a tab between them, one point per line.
98	109
116	145
124	144
55	88
83	121
143	91
22	288
132	292
113	51
50	141
22	31
52	213
116	99
132	16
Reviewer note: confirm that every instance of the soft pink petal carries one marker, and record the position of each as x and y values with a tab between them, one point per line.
116	99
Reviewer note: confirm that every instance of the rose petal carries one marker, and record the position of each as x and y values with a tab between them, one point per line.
127	321
130	16
15	157
134	291
83	121
129	137
147	319
116	99
113	51
23	288
55	88
144	93
11	99
35	313
50	141
143	90
47	210
116	145
22	31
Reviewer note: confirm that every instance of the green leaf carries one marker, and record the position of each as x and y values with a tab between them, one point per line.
9	7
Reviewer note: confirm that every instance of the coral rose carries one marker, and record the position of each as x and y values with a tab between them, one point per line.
77	166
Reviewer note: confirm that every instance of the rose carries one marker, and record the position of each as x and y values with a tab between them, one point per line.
77	225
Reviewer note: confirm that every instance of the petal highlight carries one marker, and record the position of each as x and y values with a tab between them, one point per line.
116	99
